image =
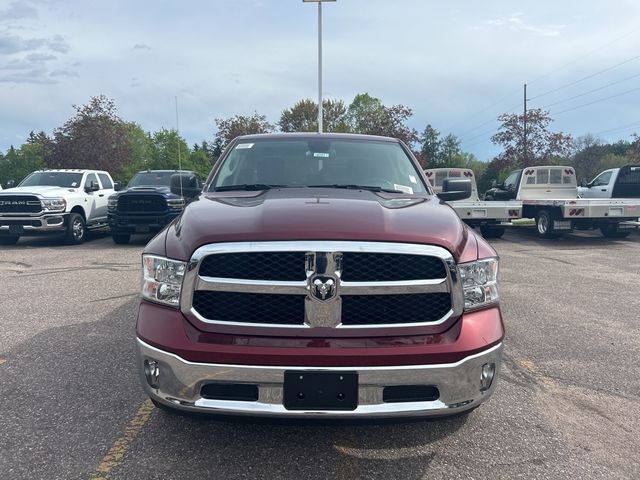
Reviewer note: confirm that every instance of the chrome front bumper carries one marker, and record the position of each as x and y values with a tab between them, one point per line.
50	222
180	381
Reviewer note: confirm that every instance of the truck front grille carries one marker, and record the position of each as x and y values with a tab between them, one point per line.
141	203
309	284
17	204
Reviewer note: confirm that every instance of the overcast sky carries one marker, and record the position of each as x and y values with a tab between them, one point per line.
456	64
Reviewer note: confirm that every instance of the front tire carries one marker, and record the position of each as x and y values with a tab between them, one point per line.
544	224
76	229
121	238
9	240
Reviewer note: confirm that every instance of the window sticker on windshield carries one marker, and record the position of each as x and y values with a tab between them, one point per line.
403	188
320	154
244	145
74	184
412	179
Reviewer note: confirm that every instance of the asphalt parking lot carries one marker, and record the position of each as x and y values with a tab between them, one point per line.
567	405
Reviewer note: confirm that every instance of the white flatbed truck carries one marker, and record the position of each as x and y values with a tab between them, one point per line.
491	217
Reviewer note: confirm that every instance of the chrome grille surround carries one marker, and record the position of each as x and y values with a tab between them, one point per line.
324	260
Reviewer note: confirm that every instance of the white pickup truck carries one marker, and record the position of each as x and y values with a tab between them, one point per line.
55	201
621	182
491	217
549	195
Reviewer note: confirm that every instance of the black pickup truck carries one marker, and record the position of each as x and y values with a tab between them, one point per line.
148	204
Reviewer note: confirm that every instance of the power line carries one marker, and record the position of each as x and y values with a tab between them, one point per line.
597	101
591	91
586	78
620	128
495	104
577	59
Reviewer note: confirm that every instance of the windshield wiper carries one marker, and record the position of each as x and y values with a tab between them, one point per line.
347	186
247	187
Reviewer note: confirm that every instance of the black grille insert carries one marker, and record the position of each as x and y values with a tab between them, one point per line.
389	267
141	203
394	309
410	393
20	204
230	391
277	266
250	307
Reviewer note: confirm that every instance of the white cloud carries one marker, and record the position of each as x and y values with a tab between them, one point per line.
516	22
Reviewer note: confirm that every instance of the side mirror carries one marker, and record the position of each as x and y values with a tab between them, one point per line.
92	187
583	183
185	184
10	184
117	186
455	189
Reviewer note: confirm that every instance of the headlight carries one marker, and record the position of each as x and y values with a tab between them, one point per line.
162	279
479	283
175	203
112	203
54	204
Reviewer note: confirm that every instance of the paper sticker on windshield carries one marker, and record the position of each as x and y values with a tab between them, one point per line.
74	184
403	188
321	154
244	145
412	179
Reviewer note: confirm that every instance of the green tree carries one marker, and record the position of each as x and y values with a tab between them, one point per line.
169	151
18	163
368	115
430	147
141	147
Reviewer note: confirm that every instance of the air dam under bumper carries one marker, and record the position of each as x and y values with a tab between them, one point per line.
179	384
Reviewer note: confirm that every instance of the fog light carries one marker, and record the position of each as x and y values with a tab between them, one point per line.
152	372
486	376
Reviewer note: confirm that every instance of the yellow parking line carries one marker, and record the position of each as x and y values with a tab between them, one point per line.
114	456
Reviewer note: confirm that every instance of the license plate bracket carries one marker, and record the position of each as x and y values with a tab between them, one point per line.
16	229
305	390
142	229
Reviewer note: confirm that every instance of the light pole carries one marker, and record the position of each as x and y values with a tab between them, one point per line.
319	2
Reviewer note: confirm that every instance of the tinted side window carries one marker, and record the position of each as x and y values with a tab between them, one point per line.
510	182
106	181
90	178
602	179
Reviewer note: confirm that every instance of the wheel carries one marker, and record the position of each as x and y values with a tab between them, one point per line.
121	238
76	229
610	230
8	240
491	231
544	224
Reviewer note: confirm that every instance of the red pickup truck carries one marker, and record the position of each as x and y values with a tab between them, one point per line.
318	275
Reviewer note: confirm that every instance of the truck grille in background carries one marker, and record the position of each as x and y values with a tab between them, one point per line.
20	204
141	203
262	287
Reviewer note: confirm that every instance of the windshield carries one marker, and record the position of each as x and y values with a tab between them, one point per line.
151	179
53	179
319	162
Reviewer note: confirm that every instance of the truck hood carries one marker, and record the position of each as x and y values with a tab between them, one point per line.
316	214
45	191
